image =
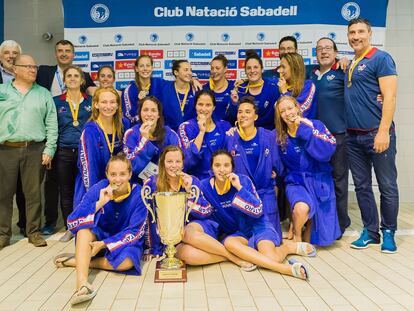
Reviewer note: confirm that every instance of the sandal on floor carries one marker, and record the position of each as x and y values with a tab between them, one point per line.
64	258
245	266
296	269
79	298
302	249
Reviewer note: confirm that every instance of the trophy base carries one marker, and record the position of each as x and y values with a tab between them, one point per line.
176	275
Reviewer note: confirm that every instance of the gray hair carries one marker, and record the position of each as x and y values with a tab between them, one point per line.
10	43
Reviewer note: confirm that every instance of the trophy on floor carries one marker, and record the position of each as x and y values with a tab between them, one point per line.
171	214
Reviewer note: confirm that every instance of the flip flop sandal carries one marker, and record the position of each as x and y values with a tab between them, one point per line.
82	297
61	263
302	249
250	268
296	269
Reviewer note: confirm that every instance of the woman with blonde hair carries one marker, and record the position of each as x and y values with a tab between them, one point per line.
100	139
292	83
306	147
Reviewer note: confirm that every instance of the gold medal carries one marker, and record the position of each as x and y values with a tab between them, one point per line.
75	123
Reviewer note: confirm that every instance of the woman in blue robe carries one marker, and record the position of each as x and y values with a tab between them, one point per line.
109	225
203	135
144	142
306	147
238	212
101	138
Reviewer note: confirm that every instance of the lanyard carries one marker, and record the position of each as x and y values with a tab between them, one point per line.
62	86
73	111
249	86
226	187
242	134
182	103
124	196
211	84
146	88
111	145
353	65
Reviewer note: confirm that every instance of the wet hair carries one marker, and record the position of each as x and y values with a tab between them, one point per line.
221	152
289	38
333	43
207	93
65	42
280	125
176	65
249	100
223	59
251	54
118	114
78	69
162	181
360	20
159	132
297	72
119	157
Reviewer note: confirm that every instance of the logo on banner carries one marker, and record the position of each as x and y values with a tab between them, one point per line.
82	39
103	54
225	37
81	56
118	38
154	37
189	36
231	74
155	54
332	35
202	74
225	52
157	74
96	65
350	11
297	35
242	53
168	64
270	53
261	36
201	53
125	65
99	13
126	54
232	64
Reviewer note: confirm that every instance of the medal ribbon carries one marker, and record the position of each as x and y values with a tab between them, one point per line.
182	103
211	84
73	111
62	86
258	84
226	187
111	145
353	65
242	134
124	196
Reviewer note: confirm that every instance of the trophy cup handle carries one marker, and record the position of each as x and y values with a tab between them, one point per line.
146	196
194	194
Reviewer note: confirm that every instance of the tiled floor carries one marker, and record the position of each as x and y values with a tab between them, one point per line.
342	279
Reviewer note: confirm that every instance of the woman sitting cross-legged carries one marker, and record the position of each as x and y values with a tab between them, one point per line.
238	212
109	224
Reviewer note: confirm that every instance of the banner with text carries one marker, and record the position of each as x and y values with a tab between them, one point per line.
115	32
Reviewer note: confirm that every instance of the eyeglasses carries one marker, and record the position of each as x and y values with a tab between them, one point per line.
34	67
325	48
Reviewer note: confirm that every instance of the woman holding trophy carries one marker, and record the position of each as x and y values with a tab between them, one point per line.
199	245
238	212
144	142
109	225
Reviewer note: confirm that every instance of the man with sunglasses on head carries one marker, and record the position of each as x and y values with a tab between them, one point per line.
28	135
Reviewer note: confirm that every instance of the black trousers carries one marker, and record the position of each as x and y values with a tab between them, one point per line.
66	171
339	162
51	193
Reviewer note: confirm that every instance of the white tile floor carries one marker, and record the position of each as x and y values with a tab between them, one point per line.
342	279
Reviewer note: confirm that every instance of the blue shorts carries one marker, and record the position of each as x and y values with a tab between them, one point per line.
210	227
260	233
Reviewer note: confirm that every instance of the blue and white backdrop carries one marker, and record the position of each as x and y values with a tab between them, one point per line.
116	32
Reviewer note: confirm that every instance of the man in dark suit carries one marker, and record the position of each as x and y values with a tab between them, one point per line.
51	77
